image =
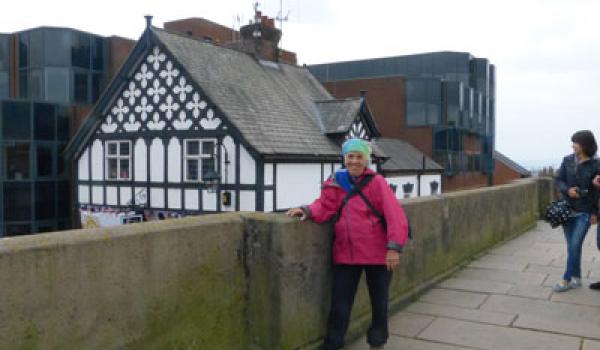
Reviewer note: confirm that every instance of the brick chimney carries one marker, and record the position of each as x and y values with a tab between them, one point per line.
260	38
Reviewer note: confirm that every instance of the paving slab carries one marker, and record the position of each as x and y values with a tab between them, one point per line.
539	259
476	285
510	277
553	270
505	265
497	318
564	325
404	343
490	337
534	292
455	298
581	296
408	324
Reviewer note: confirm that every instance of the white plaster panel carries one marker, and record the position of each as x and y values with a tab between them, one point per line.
297	184
174	198
192	200
399	181
268	174
83	169
111	195
157	198
209	201
97	195
268	205
174	166
157	161
337	166
83	194
247	167
229	145
247	200
327	171
141	165
125	195
141	195
233	201
426	181
97	160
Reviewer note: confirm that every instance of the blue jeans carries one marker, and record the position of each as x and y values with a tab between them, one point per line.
345	283
575	230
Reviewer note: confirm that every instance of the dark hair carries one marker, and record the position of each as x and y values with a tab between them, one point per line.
586	140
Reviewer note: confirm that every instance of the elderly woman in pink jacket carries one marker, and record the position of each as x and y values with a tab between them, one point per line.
370	231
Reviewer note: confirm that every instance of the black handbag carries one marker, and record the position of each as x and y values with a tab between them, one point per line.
557	213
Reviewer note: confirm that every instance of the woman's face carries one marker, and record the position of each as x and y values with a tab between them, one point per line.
355	162
577	149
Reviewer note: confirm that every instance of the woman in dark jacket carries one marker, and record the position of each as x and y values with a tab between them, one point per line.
574	180
596	285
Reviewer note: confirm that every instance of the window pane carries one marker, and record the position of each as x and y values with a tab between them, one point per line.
96	86
23	84
63	207
17	201
97	53
124	148
36	48
80	88
17	230
124	169
4	85
16	121
35	84
415	114
61	167
17	161
4	55
57	84
23	49
43	117
112	148
112	169
58	48
208	147
62	124
192	169
44	161
80	51
193	148
44	200
208	164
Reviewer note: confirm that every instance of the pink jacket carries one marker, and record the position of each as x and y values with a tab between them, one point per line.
360	238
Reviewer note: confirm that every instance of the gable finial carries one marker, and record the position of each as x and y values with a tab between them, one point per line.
148	21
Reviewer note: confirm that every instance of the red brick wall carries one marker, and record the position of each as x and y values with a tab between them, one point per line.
386	99
504	174
201	28
118	50
464	181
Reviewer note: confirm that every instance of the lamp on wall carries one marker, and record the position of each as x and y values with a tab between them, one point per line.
212	178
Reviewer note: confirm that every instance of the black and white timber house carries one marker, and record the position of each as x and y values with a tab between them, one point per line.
181	109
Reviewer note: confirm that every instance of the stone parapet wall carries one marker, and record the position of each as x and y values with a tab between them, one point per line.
229	281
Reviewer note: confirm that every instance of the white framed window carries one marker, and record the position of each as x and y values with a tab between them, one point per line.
199	156
118	160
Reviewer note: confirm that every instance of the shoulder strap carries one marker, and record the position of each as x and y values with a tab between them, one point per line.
356	189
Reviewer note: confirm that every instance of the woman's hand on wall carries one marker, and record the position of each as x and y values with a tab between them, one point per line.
392	259
296	212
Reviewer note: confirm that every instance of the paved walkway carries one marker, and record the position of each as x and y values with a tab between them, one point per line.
504	300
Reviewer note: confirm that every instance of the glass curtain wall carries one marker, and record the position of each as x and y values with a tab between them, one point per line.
35	190
4	66
61	65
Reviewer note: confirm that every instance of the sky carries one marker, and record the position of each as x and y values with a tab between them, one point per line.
546	52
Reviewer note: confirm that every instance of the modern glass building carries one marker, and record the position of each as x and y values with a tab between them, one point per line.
453	93
44	73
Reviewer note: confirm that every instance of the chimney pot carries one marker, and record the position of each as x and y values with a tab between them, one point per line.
148	21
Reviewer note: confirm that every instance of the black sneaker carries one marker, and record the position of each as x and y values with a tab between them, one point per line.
595	286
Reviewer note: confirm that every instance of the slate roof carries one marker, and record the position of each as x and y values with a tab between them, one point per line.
337	115
273	105
404	157
512	164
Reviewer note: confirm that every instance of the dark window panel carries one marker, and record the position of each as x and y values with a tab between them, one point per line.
57	84
193	148
4	52
80	87
44	161
58	47
96	86
192	170
415	114
61	165
23	84
17	230
17	161
16	120
63	208
35	84
17	201
36	48
44	121
80	50
112	166
23	50
45	208
4	85
97	53
62	124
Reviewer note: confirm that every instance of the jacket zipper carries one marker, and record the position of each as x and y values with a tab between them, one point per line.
351	248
